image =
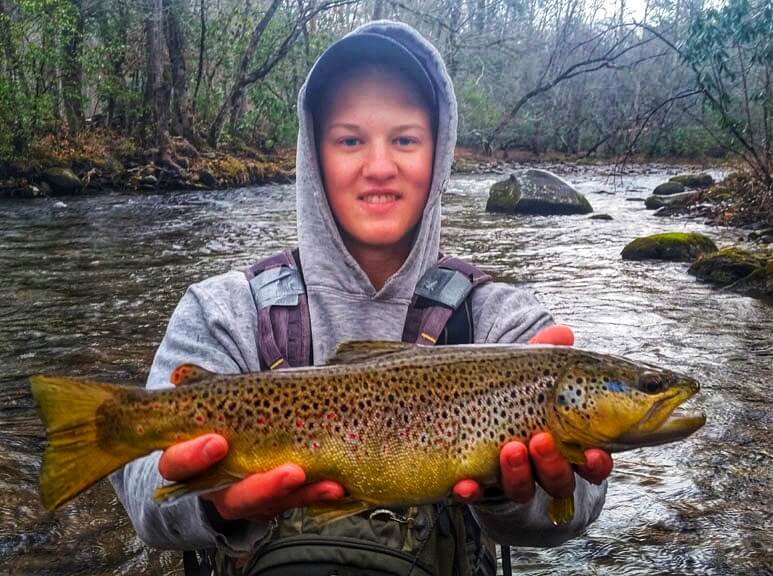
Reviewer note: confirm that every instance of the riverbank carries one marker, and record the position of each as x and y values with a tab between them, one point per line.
98	161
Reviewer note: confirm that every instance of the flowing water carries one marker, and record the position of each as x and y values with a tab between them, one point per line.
87	284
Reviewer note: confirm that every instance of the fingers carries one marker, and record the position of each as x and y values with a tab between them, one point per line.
264	495
517	479
557	335
187	459
598	466
554	473
467	491
323	491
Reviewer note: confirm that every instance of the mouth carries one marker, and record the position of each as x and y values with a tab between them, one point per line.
675	427
379	197
666	420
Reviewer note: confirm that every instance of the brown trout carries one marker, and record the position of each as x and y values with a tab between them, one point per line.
395	424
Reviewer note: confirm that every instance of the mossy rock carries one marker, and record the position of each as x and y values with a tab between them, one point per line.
668	188
62	180
536	192
738	270
693	180
674	246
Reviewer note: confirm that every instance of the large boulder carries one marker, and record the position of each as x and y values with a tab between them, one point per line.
738	270
536	192
693	180
62	180
675	246
668	188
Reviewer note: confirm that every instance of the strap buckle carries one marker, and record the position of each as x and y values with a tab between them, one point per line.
444	286
278	286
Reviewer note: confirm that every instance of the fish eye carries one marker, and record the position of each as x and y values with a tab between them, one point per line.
651	383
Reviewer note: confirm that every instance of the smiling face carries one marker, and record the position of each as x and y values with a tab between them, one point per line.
376	152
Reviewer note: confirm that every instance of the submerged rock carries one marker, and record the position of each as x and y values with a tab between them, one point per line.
737	270
674	246
600	217
693	180
62	180
675	200
536	192
668	188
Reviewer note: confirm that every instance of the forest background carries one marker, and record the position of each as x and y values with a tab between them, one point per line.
126	78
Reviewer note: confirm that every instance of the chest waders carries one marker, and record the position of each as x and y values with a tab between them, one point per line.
428	540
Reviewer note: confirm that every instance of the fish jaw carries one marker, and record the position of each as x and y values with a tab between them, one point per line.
675	427
661	424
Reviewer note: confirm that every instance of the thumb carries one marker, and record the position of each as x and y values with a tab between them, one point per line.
557	335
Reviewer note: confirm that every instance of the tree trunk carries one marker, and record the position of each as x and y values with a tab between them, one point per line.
378	10
241	73
157	89
182	123
72	71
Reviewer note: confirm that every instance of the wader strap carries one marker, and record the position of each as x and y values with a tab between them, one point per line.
438	294
284	328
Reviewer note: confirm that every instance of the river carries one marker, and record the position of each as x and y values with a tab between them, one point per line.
88	283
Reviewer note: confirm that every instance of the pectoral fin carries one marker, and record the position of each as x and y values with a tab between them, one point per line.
561	510
211	480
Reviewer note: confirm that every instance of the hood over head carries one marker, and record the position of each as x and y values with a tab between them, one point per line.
343	304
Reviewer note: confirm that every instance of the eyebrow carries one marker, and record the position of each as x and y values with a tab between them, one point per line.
395	129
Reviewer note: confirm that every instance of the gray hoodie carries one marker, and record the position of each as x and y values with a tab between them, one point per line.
215	323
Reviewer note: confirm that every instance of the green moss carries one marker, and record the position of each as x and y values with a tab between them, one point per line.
731	265
677	246
693	180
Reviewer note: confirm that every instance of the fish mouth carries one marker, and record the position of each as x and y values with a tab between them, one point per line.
665	421
674	427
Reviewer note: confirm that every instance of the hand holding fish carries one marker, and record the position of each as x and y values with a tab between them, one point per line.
554	473
260	496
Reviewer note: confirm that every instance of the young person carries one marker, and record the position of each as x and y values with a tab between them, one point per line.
377	130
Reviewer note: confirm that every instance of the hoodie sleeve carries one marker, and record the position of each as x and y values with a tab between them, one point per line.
507	314
213	326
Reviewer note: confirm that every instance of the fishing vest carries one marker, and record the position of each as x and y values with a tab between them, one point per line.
428	540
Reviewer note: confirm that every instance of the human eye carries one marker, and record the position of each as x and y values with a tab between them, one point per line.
349	141
405	141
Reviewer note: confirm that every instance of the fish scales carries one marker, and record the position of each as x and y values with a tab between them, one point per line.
396	424
391	429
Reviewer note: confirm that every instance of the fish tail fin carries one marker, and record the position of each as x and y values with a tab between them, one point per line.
74	459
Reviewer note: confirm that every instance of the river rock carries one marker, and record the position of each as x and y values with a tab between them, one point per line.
62	180
207	178
536	192
738	270
668	188
693	180
674	246
600	217
674	201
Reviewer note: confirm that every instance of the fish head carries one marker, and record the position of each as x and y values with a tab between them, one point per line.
616	404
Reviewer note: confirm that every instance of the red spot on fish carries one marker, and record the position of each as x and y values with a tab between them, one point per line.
353	436
260	420
401	433
220	418
331	415
315	445
156	406
199	418
140	429
299	423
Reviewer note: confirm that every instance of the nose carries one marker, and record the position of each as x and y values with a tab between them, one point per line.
379	163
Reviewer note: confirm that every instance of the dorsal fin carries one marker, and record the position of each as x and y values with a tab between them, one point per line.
186	374
356	351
